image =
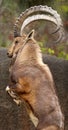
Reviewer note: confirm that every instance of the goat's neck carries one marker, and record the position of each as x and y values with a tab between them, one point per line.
29	55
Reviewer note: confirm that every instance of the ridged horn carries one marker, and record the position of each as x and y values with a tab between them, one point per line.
37	13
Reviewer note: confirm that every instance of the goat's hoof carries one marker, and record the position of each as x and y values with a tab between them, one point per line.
7	88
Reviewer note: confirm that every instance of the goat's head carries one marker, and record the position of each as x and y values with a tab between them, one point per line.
16	45
32	14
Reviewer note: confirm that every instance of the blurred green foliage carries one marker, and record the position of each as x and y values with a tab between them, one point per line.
10	10
60	51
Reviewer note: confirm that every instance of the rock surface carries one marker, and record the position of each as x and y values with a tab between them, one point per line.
13	117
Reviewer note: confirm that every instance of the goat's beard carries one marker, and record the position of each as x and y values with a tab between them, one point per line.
14	55
13	59
15	97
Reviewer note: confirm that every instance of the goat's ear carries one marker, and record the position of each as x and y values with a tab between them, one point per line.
31	34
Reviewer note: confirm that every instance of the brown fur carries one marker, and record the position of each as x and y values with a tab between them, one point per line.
32	81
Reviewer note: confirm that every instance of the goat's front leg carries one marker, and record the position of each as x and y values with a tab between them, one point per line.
13	95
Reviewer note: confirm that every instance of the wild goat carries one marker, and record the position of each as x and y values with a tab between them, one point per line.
31	79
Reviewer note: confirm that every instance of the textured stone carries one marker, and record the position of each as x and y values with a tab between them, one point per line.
13	117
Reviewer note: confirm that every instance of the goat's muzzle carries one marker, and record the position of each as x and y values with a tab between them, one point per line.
9	55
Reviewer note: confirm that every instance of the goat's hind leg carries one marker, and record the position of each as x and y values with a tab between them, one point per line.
50	128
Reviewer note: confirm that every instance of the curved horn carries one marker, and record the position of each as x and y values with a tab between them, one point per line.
37	13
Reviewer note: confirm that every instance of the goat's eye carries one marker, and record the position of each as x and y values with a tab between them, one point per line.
16	42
